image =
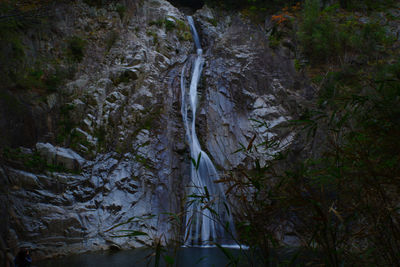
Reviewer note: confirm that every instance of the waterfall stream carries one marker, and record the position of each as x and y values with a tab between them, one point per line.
208	220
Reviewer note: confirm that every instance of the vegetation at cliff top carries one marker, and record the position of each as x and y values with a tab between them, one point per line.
25	69
32	161
263	5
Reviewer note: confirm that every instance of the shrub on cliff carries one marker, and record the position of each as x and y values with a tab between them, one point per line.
76	48
332	35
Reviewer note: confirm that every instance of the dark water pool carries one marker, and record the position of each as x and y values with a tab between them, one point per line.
191	257
141	257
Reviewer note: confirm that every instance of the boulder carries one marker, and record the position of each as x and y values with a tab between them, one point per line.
65	157
23	179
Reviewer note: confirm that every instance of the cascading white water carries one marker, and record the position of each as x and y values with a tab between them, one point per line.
207	219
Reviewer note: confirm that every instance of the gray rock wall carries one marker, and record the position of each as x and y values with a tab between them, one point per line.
247	89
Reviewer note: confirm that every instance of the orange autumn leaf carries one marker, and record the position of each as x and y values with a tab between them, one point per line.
279	18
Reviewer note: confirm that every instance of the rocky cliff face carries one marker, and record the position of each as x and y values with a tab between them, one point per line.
126	154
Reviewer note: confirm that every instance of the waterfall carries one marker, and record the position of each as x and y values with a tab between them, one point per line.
208	220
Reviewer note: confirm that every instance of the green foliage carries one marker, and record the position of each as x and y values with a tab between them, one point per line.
143	161
31	161
75	48
39	79
54	79
357	104
365	162
196	163
121	10
331	36
65	123
213	22
157	23
78	141
274	41
368	5
12	50
30	80
154	35
68	135
38	73
169	25
184	33
342	202
272	5
297	64
185	36
16	18
317	33
182	26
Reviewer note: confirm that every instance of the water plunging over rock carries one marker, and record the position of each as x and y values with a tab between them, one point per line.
125	108
207	222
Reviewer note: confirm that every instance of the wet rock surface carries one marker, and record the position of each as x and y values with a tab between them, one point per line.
248	89
128	156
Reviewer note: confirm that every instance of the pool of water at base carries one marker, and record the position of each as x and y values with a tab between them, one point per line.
192	257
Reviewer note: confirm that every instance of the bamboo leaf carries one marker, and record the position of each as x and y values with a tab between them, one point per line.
123	223
259	122
207	193
198	161
227	208
131	233
242	148
227	226
196	164
193	161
